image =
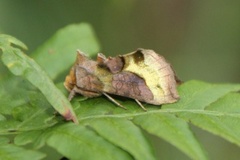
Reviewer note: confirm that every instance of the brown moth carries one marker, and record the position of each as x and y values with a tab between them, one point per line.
142	75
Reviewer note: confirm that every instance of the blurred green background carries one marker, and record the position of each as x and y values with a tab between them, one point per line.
201	39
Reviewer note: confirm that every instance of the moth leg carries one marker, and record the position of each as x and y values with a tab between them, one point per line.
113	100
140	104
82	92
72	93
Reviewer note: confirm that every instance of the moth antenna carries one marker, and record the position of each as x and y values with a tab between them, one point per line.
113	100
140	104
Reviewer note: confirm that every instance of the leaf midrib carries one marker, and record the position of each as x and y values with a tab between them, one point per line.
173	111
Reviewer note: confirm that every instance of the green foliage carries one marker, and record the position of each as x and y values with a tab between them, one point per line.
12	152
104	130
21	65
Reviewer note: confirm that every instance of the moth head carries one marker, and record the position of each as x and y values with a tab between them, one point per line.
70	80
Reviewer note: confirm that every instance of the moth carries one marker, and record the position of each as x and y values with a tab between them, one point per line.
142	75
